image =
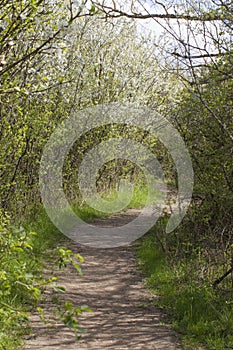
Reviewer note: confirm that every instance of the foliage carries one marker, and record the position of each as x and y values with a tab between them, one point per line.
202	315
70	314
113	65
60	57
21	281
204	119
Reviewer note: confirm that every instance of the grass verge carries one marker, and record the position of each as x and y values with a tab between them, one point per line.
202	315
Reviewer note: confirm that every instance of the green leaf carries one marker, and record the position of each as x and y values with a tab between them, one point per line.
93	9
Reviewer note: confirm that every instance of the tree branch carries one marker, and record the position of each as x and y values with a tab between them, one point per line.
219	54
114	12
220	279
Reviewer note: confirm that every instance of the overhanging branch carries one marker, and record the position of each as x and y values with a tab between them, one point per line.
208	55
114	12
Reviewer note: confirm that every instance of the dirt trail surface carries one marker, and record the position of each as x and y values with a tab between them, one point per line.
123	316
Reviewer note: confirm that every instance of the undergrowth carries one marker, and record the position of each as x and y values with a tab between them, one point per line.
24	250
139	196
201	314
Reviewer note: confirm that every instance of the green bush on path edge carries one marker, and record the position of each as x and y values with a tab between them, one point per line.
24	250
202	315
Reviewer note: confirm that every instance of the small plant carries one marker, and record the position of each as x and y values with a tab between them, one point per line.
69	315
66	256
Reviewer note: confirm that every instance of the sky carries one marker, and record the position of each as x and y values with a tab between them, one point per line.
196	35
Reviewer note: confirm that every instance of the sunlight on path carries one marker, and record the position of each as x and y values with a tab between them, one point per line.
124	316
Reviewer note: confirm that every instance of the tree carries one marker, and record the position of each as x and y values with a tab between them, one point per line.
91	62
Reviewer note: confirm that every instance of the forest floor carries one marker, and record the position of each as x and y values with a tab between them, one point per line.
124	315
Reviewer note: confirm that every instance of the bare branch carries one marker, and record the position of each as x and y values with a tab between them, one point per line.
208	55
114	12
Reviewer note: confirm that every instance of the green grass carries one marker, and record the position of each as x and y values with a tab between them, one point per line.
139	197
202	316
87	213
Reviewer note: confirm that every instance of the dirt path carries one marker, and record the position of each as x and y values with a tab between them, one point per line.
123	317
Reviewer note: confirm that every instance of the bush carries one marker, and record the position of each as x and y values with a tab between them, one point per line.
21	281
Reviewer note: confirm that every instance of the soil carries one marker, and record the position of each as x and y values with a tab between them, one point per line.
124	315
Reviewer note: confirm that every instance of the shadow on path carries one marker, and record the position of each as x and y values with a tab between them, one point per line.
123	316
